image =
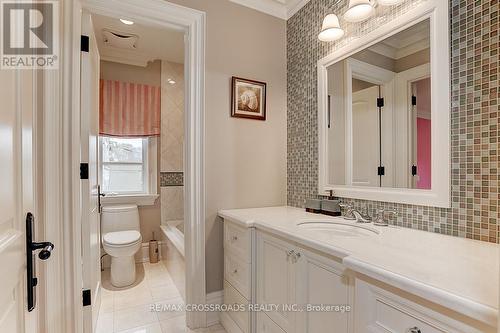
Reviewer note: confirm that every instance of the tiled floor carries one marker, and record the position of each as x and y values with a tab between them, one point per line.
129	310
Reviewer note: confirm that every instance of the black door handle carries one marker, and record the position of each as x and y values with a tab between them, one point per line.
46	250
99	195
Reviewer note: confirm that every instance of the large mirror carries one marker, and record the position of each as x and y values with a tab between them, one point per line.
382	112
383	93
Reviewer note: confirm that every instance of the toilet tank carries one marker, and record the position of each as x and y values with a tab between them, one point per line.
119	218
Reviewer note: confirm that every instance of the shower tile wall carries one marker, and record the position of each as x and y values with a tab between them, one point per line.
474	28
172	141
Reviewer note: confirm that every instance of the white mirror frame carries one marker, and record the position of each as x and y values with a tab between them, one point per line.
439	194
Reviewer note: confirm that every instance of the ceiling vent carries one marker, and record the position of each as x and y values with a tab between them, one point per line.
119	39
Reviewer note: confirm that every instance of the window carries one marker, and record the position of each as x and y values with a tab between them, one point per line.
124	165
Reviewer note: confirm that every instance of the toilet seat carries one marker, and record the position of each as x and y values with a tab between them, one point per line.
121	238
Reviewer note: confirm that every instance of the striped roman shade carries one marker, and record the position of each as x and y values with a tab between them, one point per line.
128	109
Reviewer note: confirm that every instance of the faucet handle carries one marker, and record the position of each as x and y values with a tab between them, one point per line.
344	205
380	216
348	211
392	212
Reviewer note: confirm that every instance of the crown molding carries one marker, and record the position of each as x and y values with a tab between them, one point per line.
293	6
283	9
393	53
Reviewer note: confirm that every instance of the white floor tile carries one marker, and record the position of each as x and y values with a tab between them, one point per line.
151	328
164	292
107	302
105	323
128	310
133	317
175	325
137	296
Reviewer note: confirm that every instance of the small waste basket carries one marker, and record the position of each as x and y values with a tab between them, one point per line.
153	250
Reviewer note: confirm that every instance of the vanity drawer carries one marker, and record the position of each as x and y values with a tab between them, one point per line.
241	318
393	319
237	273
237	240
379	310
266	325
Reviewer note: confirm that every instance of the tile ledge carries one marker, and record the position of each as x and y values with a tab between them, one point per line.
138	199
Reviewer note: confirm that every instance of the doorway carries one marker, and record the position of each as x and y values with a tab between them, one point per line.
135	126
192	24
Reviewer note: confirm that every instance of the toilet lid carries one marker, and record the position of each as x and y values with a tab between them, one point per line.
122	237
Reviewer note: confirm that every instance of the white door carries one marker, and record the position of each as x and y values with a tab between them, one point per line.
17	188
321	280
91	236
365	138
276	279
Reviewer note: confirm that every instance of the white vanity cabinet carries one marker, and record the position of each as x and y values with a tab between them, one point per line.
238	276
276	273
290	274
264	266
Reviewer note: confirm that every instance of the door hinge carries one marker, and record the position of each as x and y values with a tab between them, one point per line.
413	100
84	171
381	171
413	170
86	297
380	102
84	43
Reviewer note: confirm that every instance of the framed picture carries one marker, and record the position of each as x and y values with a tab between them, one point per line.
248	99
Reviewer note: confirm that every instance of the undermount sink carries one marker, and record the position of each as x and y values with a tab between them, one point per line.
338	228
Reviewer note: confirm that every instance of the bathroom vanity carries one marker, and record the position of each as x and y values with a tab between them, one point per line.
382	279
384	138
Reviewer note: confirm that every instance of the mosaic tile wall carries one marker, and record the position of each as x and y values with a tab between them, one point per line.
474	29
171	179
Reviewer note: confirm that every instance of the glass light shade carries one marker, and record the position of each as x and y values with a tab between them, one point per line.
359	10
330	29
127	22
389	2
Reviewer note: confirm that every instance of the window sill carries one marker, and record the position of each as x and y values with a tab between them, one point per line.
137	199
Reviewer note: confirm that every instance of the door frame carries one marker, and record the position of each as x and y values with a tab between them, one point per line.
357	69
404	145
62	155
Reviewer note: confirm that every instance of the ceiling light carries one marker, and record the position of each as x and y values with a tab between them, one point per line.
330	29
127	22
389	2
359	10
171	81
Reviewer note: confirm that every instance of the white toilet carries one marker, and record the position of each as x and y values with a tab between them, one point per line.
121	239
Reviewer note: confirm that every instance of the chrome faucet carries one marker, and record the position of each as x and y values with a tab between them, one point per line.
379	218
354	214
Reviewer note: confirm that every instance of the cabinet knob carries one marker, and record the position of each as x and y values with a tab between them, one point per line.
289	254
296	257
235	271
413	330
234	238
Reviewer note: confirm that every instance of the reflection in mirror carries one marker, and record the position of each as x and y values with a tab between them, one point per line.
379	114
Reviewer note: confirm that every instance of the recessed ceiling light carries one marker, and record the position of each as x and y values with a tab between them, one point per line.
127	22
171	81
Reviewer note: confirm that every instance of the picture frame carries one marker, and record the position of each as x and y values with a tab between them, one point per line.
248	98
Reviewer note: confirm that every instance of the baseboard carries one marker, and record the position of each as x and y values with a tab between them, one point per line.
216	297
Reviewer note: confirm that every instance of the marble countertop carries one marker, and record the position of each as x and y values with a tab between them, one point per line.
457	273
